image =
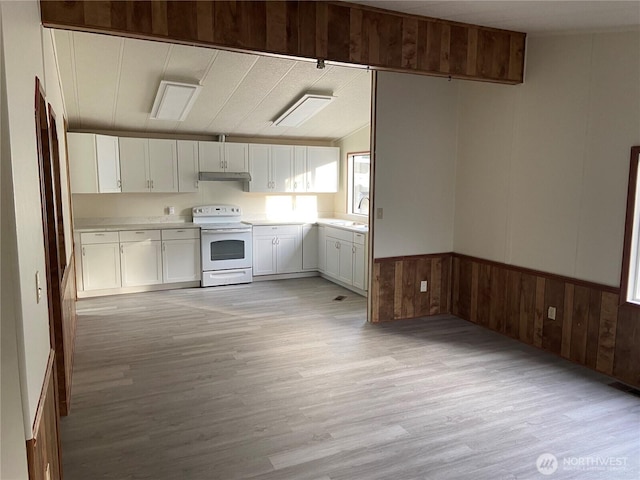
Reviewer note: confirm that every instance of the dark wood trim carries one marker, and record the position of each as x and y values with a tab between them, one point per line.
413	257
57	189
628	226
43	449
338	32
539	273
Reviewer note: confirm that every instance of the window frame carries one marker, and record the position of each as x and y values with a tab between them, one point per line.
628	248
350	175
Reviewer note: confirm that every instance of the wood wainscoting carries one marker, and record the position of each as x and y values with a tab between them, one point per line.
590	327
395	286
43	450
66	338
335	31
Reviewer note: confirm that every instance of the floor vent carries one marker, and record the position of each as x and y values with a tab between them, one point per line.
625	388
339	298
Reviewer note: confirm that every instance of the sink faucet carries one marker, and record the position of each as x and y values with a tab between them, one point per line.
366	197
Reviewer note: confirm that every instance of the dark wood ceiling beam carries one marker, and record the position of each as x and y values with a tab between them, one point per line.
333	31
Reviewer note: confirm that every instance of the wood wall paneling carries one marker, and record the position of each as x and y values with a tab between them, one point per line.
590	327
396	287
68	335
335	31
43	450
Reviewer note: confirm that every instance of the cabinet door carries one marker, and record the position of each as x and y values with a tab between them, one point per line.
359	266
300	169
141	263
187	166
322	248
134	164
289	253
108	160
236	157
345	269
259	167
163	165
332	257
322	169
100	266
83	167
310	247
211	156
282	168
264	255
181	260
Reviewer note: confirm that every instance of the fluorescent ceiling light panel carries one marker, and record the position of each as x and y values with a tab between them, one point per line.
303	110
174	100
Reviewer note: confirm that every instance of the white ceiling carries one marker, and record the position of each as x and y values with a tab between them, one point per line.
532	17
109	83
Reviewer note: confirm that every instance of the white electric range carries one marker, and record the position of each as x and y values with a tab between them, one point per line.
226	245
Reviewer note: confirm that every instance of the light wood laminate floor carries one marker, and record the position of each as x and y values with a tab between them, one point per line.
276	381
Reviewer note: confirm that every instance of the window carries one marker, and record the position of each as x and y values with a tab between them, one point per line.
359	169
631	255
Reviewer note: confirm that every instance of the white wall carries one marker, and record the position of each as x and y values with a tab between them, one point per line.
13	459
416	141
542	167
254	205
358	141
23	61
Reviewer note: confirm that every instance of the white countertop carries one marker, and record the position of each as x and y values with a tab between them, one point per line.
330	222
135	226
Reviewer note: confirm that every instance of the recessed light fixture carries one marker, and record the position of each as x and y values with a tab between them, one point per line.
174	100
301	111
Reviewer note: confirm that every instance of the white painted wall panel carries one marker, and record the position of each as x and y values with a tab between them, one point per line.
416	137
483	169
559	144
613	127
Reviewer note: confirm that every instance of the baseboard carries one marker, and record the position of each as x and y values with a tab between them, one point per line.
284	276
145	288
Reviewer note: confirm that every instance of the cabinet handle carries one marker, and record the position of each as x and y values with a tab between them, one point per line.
99	234
122	249
151	184
147	183
353	249
197	185
273	241
179	231
295	185
226	164
221	163
139	233
119	183
277	241
83	252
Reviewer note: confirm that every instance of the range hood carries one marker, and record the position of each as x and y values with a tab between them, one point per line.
224	177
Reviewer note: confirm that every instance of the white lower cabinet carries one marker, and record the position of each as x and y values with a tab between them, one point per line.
181	255
100	261
277	249
128	258
141	261
310	247
344	257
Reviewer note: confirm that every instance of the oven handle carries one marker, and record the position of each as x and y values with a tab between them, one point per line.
231	230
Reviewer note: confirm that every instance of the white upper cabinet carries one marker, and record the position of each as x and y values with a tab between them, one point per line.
271	168
282	168
148	165
323	169
163	165
300	169
260	168
94	165
188	166
211	156
223	157
236	157
134	164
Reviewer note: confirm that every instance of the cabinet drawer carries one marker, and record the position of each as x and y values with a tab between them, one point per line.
276	230
98	237
358	238
180	233
340	234
139	235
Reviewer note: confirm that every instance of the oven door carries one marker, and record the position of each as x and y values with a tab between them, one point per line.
226	249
